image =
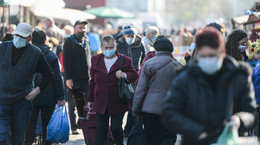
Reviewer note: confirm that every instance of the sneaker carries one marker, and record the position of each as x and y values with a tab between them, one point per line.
75	132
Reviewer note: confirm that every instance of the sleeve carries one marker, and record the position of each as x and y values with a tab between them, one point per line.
58	83
91	83
140	92
44	68
67	59
247	113
173	116
129	69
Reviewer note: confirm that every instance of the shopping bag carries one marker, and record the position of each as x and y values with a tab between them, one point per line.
58	128
228	137
137	135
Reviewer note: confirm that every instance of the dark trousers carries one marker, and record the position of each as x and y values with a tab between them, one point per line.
155	133
116	128
46	113
15	117
130	122
71	109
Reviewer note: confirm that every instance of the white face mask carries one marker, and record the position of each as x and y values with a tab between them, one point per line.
130	41
209	65
19	42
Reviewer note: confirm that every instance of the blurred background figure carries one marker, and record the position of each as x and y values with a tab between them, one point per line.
119	32
236	45
52	30
54	46
151	34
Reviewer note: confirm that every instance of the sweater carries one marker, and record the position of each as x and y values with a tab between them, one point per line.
16	81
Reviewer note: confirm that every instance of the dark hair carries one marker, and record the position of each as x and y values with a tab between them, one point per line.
38	37
209	37
160	36
8	36
232	44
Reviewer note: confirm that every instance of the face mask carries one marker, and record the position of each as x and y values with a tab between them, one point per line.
130	41
209	65
19	42
242	48
109	53
154	38
81	34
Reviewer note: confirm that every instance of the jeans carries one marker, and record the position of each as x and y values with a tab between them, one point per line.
116	128
155	133
46	113
15	117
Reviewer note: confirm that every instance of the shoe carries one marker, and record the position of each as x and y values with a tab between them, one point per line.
75	132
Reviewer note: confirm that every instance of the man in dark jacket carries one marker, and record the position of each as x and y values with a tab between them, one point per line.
76	60
46	100
197	104
19	60
130	44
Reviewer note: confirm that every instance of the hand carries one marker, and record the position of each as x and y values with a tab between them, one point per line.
69	83
90	105
120	74
203	135
60	103
35	92
234	120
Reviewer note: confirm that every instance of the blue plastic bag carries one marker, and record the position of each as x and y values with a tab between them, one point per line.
58	128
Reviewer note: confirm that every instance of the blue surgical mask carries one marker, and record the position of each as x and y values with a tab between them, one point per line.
154	38
109	53
209	65
19	42
242	48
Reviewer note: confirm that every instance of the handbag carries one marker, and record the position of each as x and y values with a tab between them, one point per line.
125	90
137	134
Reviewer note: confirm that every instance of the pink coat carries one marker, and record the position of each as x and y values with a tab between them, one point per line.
103	86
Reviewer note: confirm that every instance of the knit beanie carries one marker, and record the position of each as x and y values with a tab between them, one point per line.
163	44
253	48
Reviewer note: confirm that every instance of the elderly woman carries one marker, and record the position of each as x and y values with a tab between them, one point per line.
103	90
151	34
236	45
151	90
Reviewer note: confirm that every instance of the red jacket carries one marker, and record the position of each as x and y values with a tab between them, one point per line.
103	86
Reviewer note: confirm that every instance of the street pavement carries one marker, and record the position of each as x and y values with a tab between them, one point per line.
79	139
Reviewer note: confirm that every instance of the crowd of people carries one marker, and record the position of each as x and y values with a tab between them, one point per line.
45	66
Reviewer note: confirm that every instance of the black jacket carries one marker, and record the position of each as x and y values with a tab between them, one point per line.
192	106
54	91
137	52
76	58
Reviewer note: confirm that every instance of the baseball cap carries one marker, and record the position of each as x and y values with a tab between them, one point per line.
130	29
23	29
80	22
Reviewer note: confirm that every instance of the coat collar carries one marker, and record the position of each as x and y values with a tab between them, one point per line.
114	67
